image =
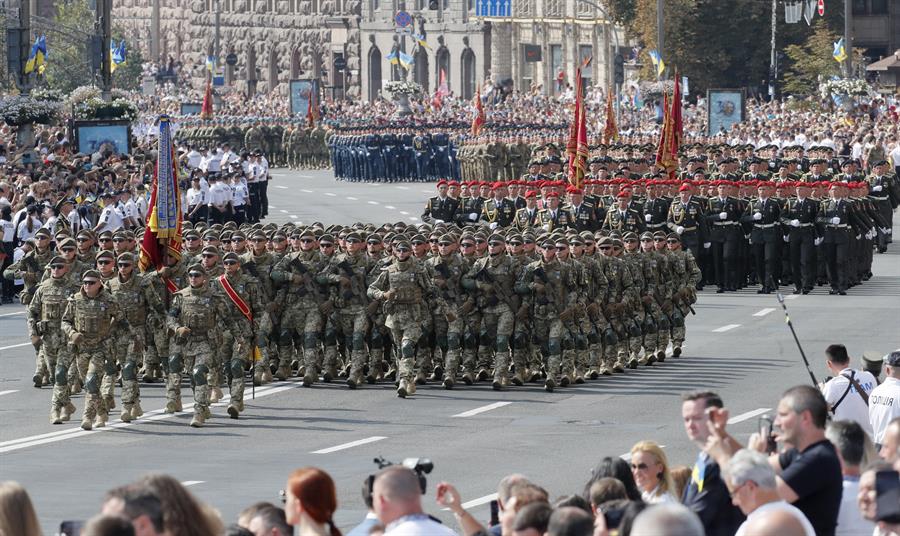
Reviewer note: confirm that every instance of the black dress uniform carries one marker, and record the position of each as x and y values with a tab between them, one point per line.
799	220
622	222
440	209
691	217
658	211
584	216
834	224
526	218
725	238
552	219
765	240
500	212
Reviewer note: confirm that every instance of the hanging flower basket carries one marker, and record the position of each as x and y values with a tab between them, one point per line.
856	87
21	110
402	87
96	108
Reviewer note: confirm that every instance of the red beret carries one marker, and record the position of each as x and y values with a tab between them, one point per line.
496	185
802	184
442	182
575	191
530	193
552	194
624	193
685	186
453	183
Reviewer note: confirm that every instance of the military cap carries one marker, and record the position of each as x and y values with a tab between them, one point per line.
617	242
515	238
402	243
86	233
230	225
43	231
231	256
91	275
191	234
62	202
646	235
196	268
374	238
497	237
238	234
605	241
258	234
105	234
674	236
576	240
105	254
659	234
446	239
57	259
225	236
126	256
66	243
418	238
352	235
326	238
210	235
892	359
630	236
211	249
306	233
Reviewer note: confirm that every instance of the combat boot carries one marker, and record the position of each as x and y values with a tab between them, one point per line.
136	410
100	419
198	419
109	402
483	375
354	381
579	375
437	374
76	386
38	380
517	379
468	378
618	366
215	394
661	356
55	417
549	385
283	373
171	406
67	411
86	423
404	389
448	381
650	357
632	363
676	350
233	410
421	379
308	380
207	414
126	413
258	377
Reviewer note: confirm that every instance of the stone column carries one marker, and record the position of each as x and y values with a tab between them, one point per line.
501	50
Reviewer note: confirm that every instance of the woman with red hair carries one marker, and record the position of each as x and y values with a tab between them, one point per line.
310	502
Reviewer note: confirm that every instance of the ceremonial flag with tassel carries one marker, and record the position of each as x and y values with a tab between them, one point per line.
671	133
611	130
206	110
478	120
577	147
312	107
162	236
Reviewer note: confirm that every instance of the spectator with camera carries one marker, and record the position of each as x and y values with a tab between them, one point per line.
847	392
854	449
808	470
397	499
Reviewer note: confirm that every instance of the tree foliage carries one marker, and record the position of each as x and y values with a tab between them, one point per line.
715	43
811	60
67	61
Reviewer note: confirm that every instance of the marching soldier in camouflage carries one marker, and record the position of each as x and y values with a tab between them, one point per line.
196	313
90	317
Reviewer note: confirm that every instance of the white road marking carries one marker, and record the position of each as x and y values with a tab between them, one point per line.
476	502
401	187
306	176
306	191
187	483
389	207
405	213
330	194
413	218
747	416
15	346
729	327
293	217
482	409
13	314
373	202
349	445
281	187
764	312
150	416
283	211
351	198
426	191
792	296
11	391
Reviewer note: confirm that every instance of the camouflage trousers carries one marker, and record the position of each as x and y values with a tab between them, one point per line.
238	348
157	352
308	322
497	327
548	332
100	361
194	355
352	324
448	343
53	351
127	356
471	328
405	334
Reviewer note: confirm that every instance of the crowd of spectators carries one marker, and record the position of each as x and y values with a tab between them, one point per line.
812	473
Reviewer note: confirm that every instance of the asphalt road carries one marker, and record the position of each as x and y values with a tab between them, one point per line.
737	344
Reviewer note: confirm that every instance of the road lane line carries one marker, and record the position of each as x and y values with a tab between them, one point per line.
373	202
747	416
476	502
405	213
330	194
764	312
306	177
13	314
729	327
349	445
293	217
306	191
150	416
187	483
352	198
482	409
15	346
413	218
281	187
283	211
11	391
390	207
401	187
426	191
792	296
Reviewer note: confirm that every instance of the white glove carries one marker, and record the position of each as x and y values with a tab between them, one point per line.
679	229
436	220
786	238
648	218
493	225
723	215
885	230
877	188
473	216
546	227
757	216
818	241
707	245
795	223
889	231
858	237
835	221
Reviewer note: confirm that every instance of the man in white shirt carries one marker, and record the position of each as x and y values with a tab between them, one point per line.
110	219
849	441
753	487
397	501
884	404
194	158
844	400
128	209
219	199
196	201
240	196
212	162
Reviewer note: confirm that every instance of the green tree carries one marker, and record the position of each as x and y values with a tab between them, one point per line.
811	60
128	76
67	46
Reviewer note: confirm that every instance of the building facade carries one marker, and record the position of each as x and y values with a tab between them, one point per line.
274	41
876	26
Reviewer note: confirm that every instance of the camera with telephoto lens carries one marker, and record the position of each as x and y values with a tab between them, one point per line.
420	466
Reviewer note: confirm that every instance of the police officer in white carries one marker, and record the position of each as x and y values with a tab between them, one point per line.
110	219
397	501
847	393
884	402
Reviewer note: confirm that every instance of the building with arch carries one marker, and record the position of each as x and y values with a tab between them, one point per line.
274	40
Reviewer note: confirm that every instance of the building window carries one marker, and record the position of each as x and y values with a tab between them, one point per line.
556	64
553	8
879	7
859	7
270	6
586	51
523	8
